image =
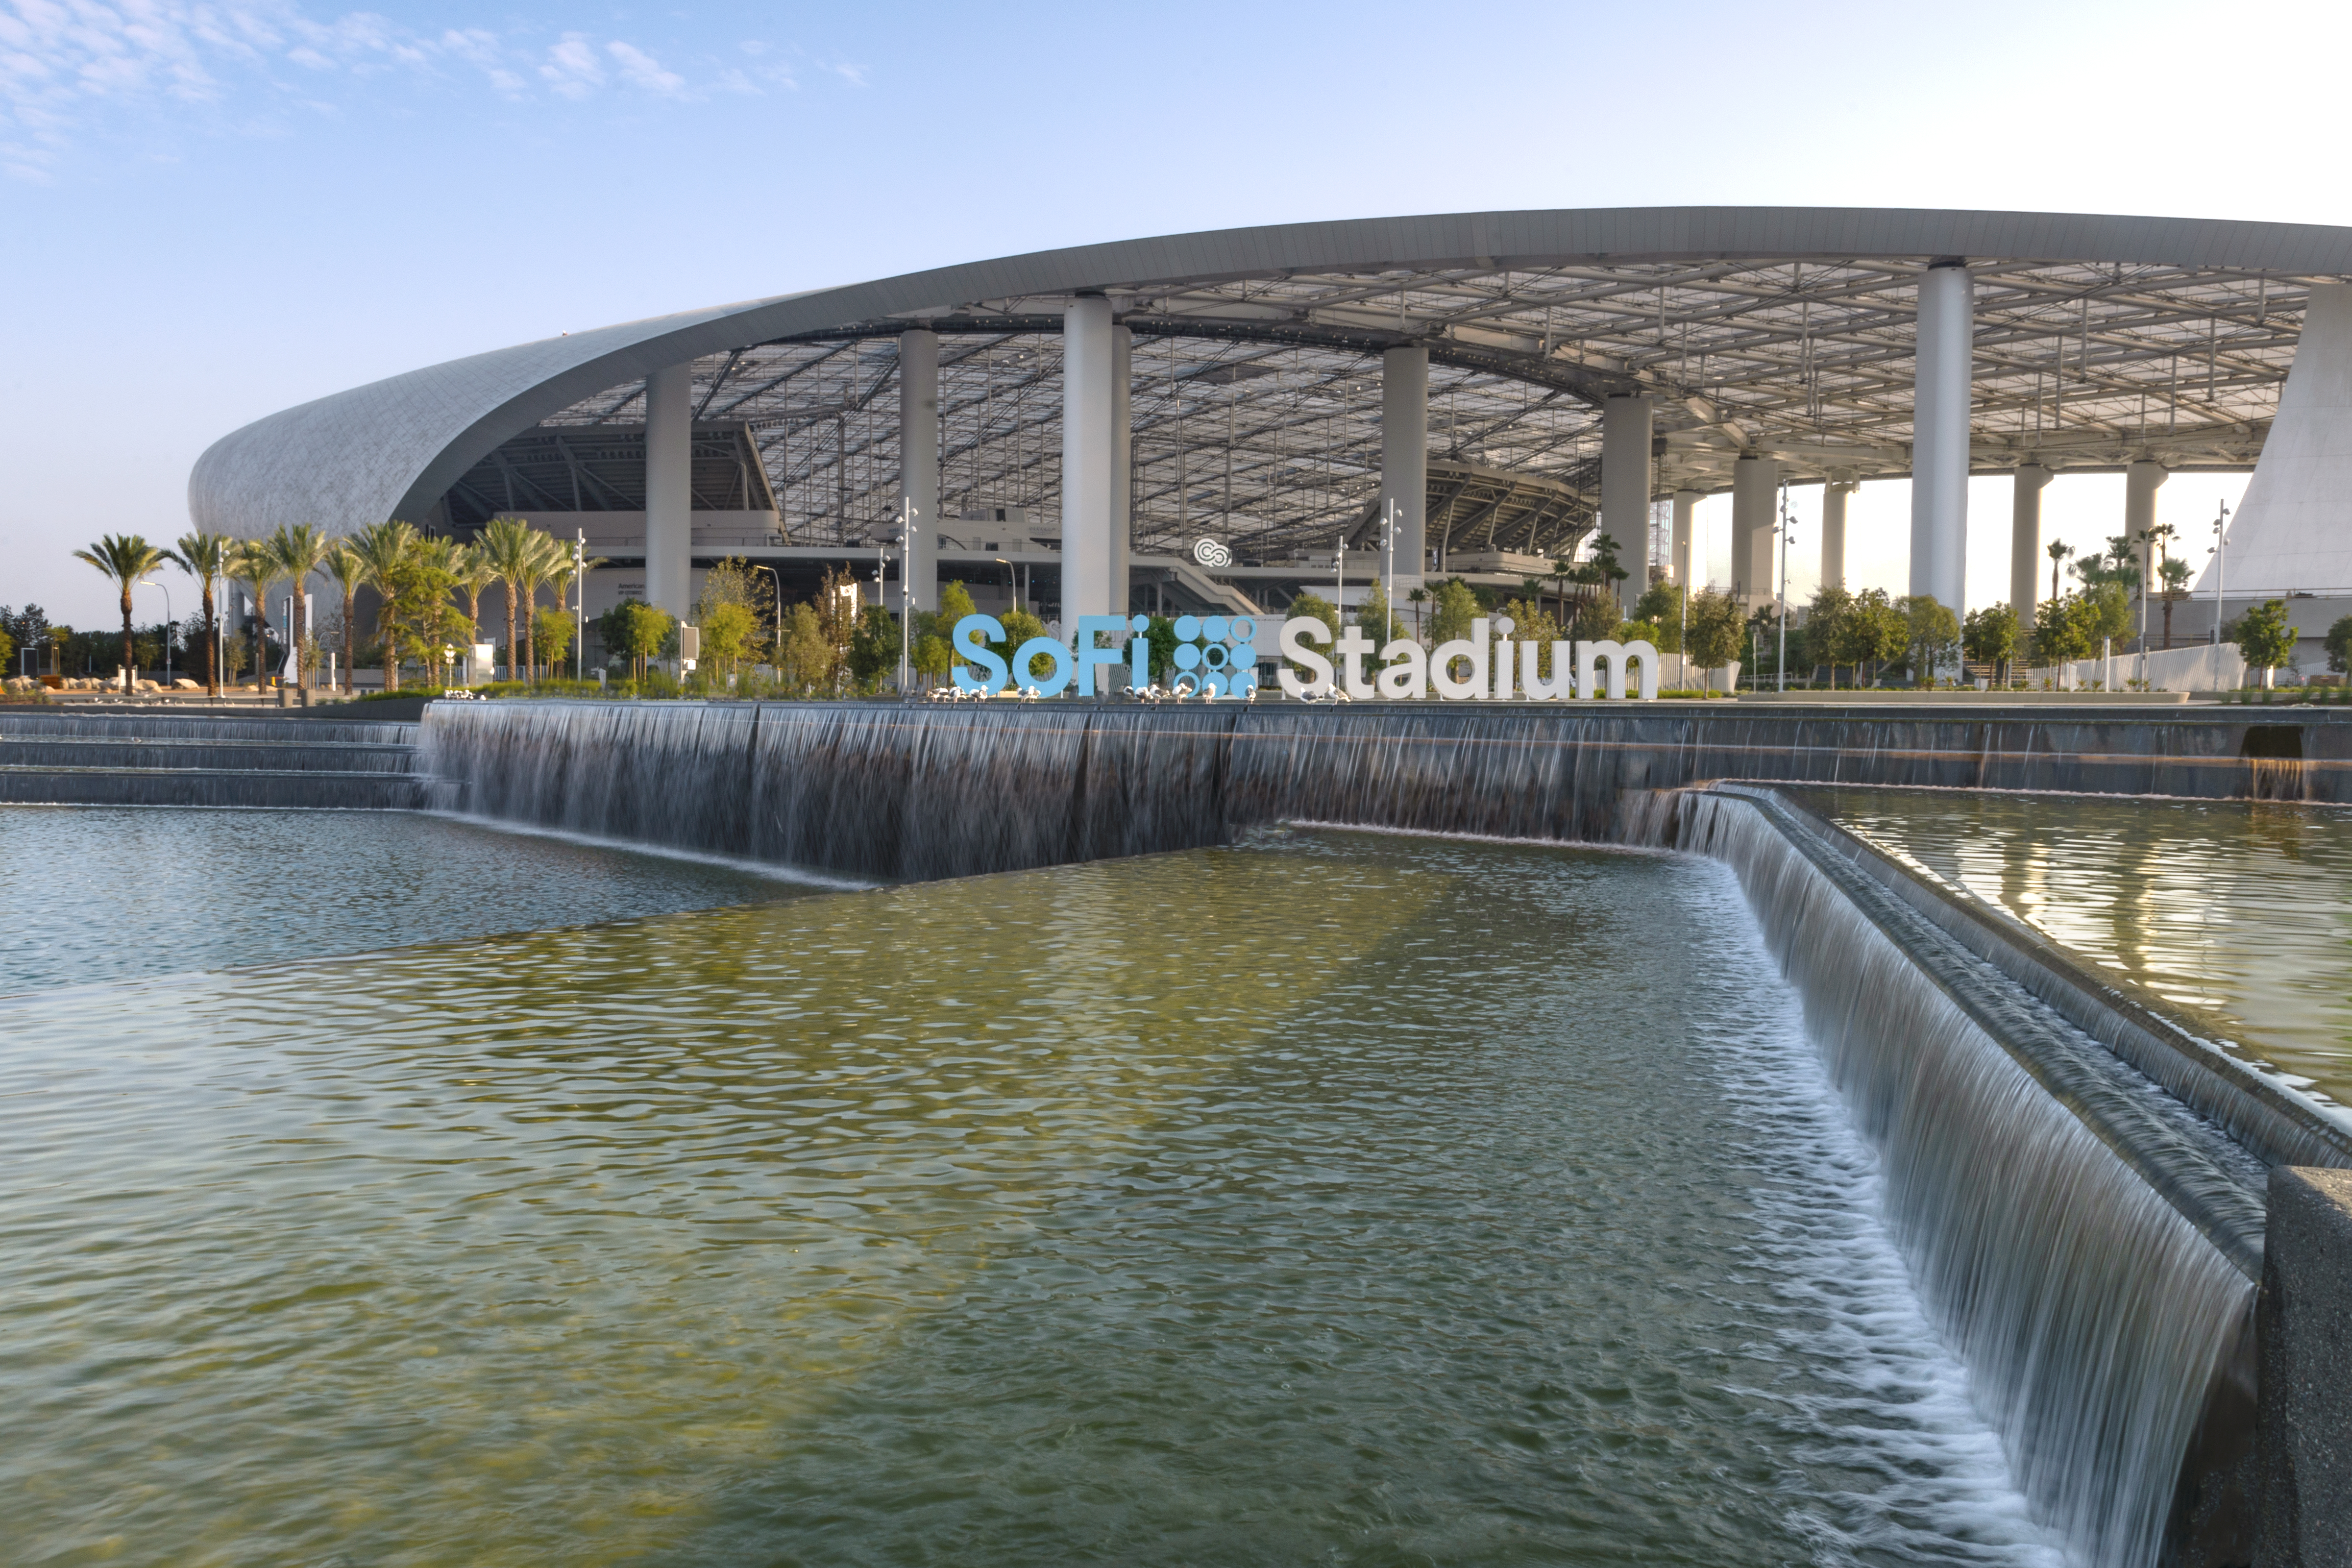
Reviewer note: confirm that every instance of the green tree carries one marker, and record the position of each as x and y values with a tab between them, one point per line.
2339	645
348	571
298	549
1661	607
253	566
1932	635
932	658
1313	606
7	649
205	557
1990	637
1718	631
2057	549
1825	627
381	550
1377	623
1454	609
1160	636
955	603
511	548
554	631
804	659
2266	637
1872	631
2176	575
728	630
123	559
1531	622
873	645
2064	628
634	630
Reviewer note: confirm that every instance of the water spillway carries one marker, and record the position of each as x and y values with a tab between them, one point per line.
50	757
908	793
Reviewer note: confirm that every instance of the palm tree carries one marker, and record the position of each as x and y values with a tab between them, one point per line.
547	556
2058	550
383	549
299	551
123	559
205	557
253	566
474	573
350	572
507	544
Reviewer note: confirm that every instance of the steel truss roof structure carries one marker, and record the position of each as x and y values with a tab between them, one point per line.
1256	399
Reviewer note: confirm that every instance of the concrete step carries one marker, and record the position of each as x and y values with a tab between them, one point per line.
281	756
314	788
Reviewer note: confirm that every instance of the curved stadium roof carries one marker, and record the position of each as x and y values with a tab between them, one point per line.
1257	402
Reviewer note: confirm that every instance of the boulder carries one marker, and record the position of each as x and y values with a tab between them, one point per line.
185	684
20	683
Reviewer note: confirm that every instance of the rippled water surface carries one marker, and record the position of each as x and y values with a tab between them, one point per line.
98	893
2238	910
1334	1199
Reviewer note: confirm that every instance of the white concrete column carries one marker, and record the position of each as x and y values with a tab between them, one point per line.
1087	478
1686	561
1939	439
669	495
918	461
2141	481
1404	457
1754	504
2025	541
1122	462
1625	475
1835	490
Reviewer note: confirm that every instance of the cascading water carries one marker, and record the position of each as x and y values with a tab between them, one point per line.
2083	1241
2088	1243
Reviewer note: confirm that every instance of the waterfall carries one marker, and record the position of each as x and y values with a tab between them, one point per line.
873	791
2089	1246
141	759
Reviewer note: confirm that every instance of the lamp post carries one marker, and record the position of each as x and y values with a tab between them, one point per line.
1388	543
1786	523
580	604
2221	565
1012	586
907	512
169	626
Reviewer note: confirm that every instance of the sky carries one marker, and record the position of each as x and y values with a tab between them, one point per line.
209	212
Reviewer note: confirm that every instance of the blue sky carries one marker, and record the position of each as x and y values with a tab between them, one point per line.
216	210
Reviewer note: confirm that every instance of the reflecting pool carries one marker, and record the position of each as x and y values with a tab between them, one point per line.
2241	910
101	893
1335	1198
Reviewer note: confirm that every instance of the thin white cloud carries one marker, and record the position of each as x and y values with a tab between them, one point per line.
643	70
73	67
572	66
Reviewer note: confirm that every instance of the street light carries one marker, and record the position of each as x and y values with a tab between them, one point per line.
1786	531
169	625
2221	565
777	663
907	512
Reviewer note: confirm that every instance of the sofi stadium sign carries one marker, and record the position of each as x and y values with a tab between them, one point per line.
1216	657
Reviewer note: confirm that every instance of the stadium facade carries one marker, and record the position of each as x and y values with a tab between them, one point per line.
1217	420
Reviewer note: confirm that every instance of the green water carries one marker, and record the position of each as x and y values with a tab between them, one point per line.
2239	911
1334	1199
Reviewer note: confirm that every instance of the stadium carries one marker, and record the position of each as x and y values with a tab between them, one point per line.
1212	422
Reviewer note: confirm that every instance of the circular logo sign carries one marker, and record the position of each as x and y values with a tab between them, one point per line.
1209	552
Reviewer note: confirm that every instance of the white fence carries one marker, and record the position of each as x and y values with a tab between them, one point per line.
2204	667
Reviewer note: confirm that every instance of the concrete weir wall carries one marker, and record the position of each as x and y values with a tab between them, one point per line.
901	792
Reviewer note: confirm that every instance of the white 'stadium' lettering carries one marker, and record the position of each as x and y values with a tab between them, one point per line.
1214	656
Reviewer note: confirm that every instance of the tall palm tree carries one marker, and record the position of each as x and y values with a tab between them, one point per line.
383	549
205	557
547	555
123	559
349	574
253	566
507	544
474	573
2058	550
299	550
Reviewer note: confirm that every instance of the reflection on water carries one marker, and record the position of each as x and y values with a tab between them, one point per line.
1333	1199
2234	909
102	893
